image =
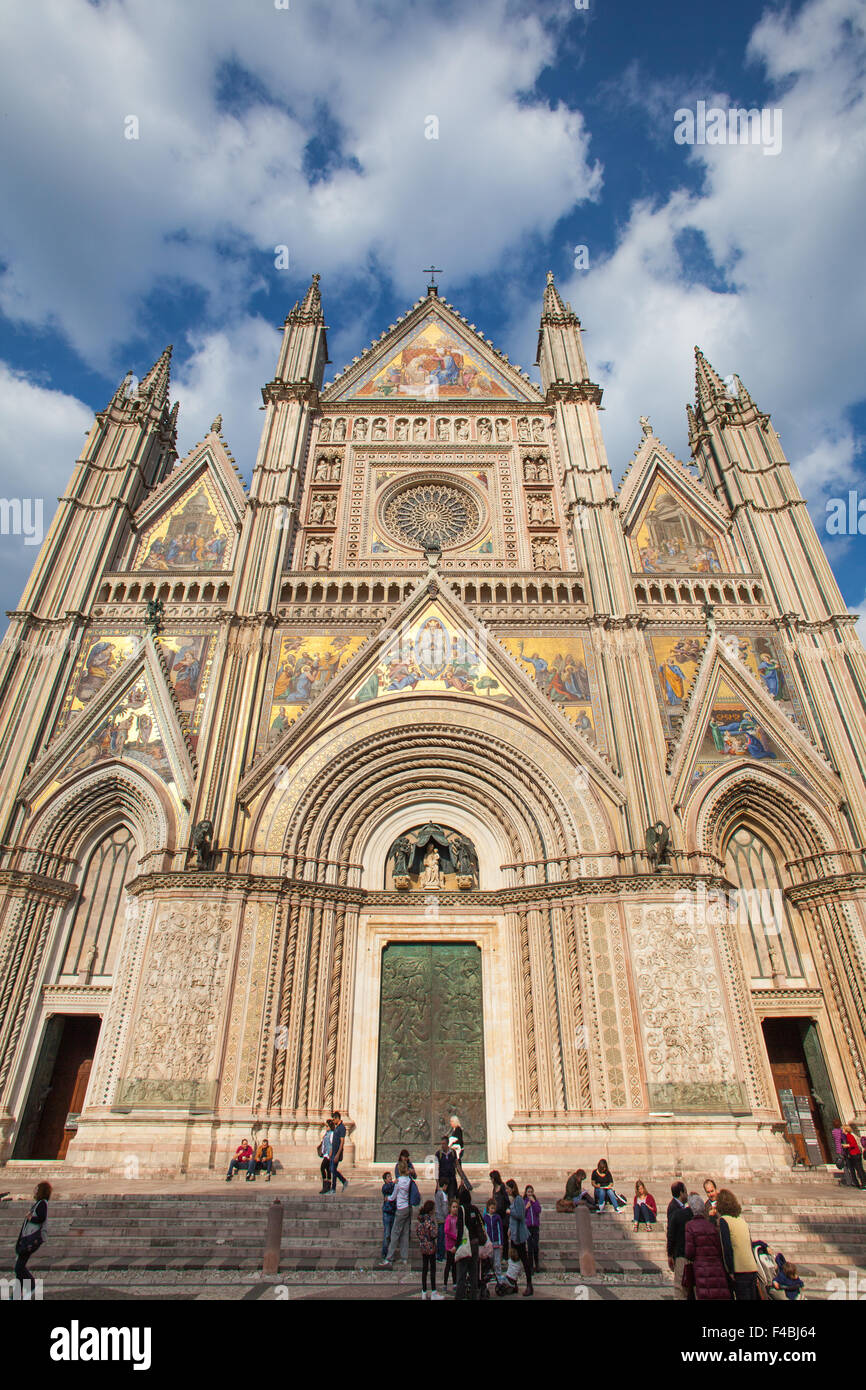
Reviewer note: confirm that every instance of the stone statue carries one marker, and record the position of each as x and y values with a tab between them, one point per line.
359	429
523	430
645	426
325	431
319	554
216	425
317	511
530	472
503	432
201	840
155	610
419	430
432	877
463	854
323	471
538	431
443	429
401	429
380	430
485	433
657	840
539	511
339	430
401	854
461	429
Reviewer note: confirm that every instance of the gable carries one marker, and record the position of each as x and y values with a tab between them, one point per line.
193	532
431	360
671	538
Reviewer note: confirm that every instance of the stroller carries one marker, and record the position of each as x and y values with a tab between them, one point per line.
770	1268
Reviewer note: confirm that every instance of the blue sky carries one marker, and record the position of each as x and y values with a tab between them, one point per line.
305	127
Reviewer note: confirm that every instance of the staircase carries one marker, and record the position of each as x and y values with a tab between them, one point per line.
178	1237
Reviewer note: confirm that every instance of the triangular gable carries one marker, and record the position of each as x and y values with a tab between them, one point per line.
432	355
430	645
135	719
730	720
191	521
673	523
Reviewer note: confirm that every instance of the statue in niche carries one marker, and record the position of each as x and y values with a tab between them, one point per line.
539	511
330	511
339	431
317	511
658	838
530	472
538	431
380	430
319	554
419	430
523	433
359	429
503	432
443	429
432	876
461	429
201	841
153	620
402	854
325	432
401	429
463	856
485	433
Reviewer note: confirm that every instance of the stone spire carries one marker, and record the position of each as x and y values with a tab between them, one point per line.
304	350
708	384
560	349
155	384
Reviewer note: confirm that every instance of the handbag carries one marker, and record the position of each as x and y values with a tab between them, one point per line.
29	1244
464	1247
414	1194
688	1280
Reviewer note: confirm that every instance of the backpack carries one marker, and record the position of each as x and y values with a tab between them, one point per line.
27	1245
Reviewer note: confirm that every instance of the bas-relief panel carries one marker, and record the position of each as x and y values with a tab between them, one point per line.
173	1055
191	535
304	664
561	669
687	1048
187	656
433	363
670	540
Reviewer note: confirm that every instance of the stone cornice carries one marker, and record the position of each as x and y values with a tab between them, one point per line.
818	890
22	881
304	392
573	391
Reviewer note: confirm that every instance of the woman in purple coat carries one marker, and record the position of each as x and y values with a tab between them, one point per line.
704	1253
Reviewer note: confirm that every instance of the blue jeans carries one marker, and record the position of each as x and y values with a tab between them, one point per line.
335	1173
440	1240
644	1213
605	1194
388	1214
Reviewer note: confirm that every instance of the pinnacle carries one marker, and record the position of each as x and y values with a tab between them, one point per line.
155	383
552	299
708	383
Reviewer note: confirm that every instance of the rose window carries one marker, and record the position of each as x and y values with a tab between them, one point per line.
432	515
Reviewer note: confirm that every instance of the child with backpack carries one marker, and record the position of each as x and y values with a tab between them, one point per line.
425	1229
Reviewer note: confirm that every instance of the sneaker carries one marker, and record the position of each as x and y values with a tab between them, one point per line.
424	1295
437	1297
384	1264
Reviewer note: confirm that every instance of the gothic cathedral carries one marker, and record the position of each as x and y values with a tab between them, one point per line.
432	773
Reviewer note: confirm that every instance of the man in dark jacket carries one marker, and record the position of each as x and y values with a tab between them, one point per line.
679	1214
446	1165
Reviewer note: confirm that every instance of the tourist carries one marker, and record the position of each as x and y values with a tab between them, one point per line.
517	1233
452	1222
406	1197
337	1144
243	1154
455	1142
324	1152
574	1192
711	1192
787	1280
737	1247
446	1167
853	1156
263	1158
494	1226
841	1159
403	1156
441	1206
31	1235
602	1182
470	1223
679	1214
388	1210
679	1193
705	1268
500	1197
425	1230
532	1210
645	1209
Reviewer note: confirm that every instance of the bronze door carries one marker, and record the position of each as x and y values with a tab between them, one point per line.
431	1050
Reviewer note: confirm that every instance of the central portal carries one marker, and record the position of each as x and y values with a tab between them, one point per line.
431	1050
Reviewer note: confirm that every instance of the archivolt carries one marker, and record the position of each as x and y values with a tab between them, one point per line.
764	801
106	795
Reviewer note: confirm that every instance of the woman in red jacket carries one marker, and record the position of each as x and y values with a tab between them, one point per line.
644	1205
705	1268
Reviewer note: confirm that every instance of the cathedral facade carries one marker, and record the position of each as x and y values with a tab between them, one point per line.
432	773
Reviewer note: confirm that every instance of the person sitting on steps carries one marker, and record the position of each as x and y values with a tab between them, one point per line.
243	1154
262	1159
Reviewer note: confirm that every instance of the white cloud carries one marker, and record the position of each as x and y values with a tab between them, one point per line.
41	435
133	215
786	232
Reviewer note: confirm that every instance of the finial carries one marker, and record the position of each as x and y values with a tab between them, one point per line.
550	277
645	425
216	425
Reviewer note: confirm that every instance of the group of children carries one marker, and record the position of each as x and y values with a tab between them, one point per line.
440	1228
